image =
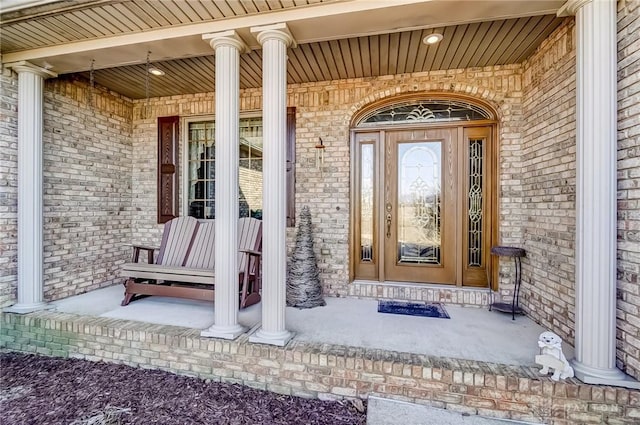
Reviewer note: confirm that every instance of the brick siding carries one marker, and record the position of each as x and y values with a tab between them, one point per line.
628	331
8	187
549	180
87	188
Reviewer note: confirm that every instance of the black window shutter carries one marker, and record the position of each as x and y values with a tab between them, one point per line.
291	166
167	168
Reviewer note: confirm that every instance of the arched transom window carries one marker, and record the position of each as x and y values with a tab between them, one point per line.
424	111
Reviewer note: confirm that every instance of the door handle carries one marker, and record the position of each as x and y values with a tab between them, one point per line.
389	208
388	225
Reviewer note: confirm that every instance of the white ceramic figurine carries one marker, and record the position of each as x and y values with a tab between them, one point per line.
553	357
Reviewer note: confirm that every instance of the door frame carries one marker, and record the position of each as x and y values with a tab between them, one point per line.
379	132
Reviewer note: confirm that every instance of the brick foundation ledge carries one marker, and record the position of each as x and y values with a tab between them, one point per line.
324	371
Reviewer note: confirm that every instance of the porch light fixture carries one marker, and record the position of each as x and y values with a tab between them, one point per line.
320	155
156	71
432	38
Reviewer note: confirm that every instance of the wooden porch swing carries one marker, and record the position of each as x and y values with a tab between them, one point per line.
185	265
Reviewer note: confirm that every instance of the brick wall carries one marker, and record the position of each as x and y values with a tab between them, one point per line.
325	110
549	180
326	371
8	187
629	187
87	187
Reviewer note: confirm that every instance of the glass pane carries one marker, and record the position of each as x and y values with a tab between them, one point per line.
250	177
419	195
201	172
475	203
210	209
366	203
428	110
196	209
251	138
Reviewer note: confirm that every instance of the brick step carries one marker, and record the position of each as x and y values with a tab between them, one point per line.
463	296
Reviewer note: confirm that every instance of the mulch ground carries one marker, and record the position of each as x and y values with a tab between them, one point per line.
46	390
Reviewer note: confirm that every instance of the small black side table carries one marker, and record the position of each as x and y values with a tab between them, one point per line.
517	254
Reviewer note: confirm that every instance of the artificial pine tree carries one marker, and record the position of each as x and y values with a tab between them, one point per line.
303	280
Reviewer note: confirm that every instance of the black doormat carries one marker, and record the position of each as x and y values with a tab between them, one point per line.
413	309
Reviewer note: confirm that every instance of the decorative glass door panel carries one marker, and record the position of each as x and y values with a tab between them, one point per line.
420	207
419	193
476	203
365	205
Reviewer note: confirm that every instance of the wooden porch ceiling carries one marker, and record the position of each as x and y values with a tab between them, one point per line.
337	39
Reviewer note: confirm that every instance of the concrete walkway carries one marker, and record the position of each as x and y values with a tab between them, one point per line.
382	411
471	333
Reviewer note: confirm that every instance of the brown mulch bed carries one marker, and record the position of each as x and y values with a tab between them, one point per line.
46	390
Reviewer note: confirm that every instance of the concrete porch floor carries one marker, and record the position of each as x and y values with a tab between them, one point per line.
470	334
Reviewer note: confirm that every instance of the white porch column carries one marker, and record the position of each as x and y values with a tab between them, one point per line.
227	46
30	193
596	105
274	40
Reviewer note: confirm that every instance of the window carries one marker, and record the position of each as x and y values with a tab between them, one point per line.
423	111
199	167
201	177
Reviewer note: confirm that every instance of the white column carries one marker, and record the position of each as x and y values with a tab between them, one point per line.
30	193
227	46
274	40
596	103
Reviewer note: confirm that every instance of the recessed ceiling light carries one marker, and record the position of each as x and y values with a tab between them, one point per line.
156	71
432	38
